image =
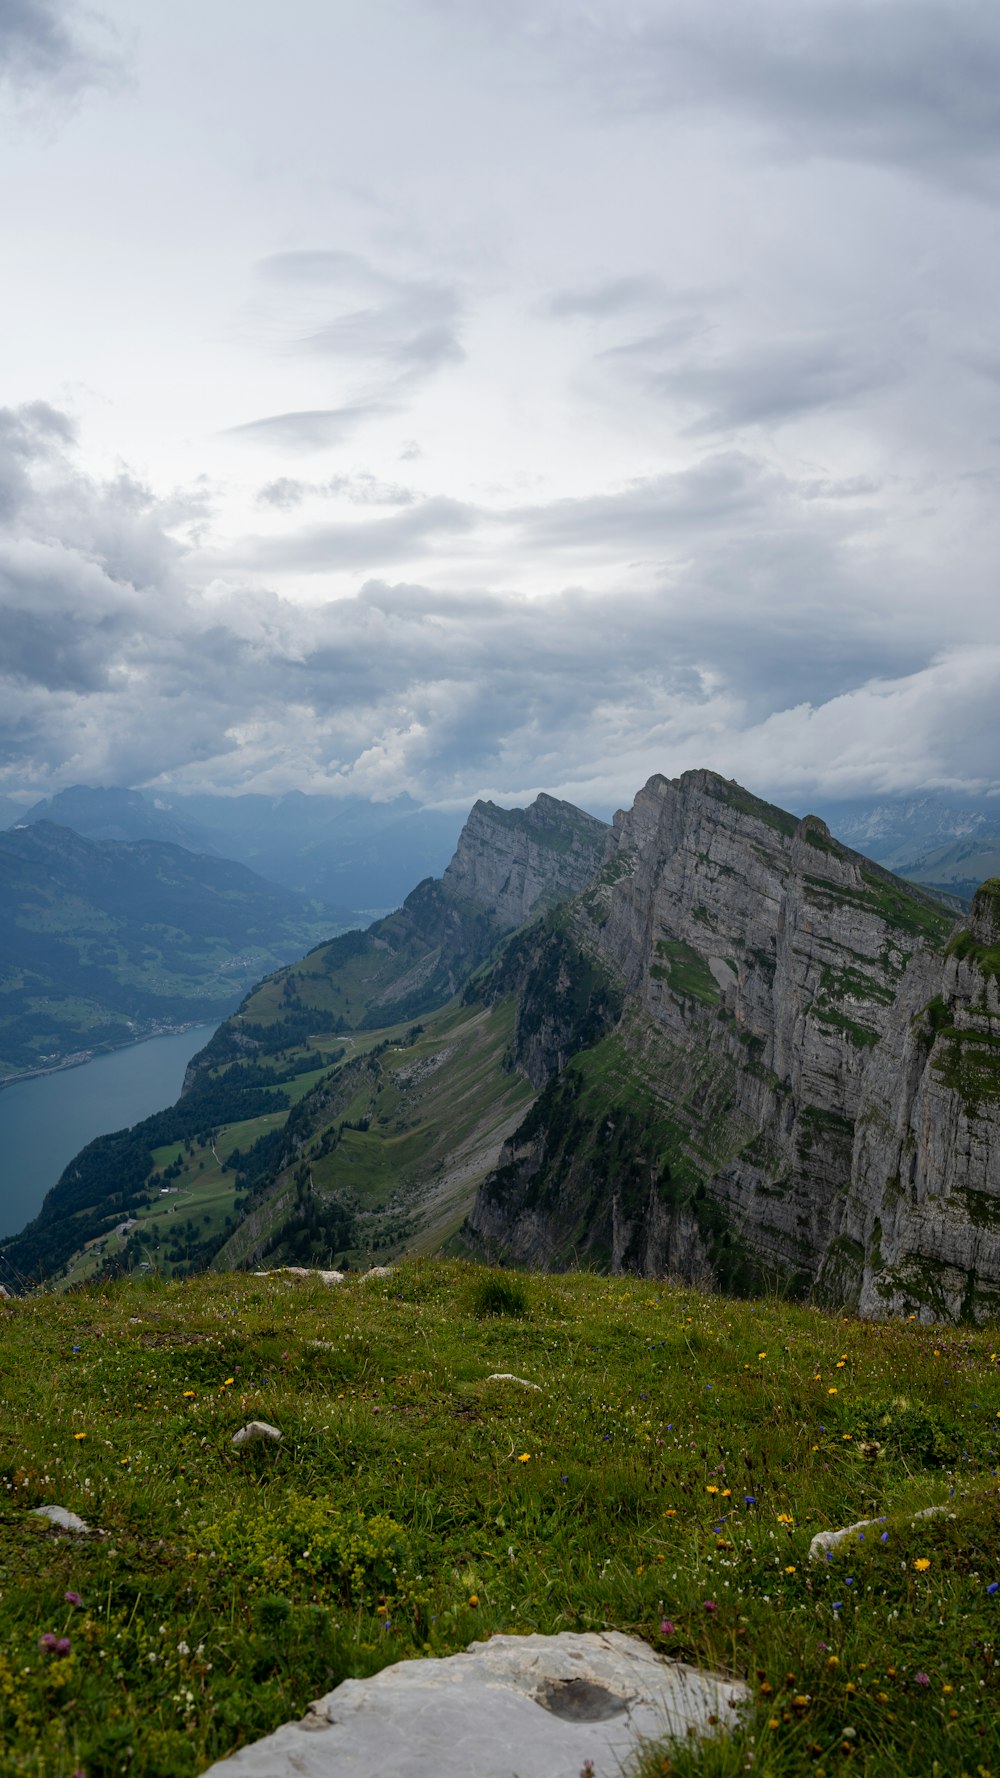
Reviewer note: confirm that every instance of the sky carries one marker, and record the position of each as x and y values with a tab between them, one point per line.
475	397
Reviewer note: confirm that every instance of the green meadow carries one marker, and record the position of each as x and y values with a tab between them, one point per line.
665	1479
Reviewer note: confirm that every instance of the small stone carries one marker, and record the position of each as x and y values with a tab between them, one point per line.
63	1519
256	1432
509	1377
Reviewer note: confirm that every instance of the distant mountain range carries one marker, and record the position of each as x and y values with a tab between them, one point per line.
710	1042
344	851
103	942
949	842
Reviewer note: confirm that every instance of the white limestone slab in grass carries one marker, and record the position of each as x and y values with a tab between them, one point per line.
513	1707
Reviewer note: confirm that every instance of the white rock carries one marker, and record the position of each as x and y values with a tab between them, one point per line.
534	1706
509	1377
828	1540
378	1272
256	1432
63	1519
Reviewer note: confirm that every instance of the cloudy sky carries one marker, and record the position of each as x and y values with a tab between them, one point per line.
474	397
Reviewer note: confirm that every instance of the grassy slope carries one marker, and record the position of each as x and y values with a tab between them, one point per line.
680	1454
438	1107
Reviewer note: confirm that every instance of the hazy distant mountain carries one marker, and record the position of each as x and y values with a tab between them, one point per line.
9	811
118	814
896	831
344	851
102	942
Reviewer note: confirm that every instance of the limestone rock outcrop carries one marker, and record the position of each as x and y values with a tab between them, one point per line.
535	1706
798	1077
514	862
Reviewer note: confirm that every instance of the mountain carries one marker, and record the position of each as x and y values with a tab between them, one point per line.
508	865
10	811
345	851
103	942
959	868
117	814
419	1113
713	1042
899	830
797	1079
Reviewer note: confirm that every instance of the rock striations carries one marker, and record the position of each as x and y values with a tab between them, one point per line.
790	1067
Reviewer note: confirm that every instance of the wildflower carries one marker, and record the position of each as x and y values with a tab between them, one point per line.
711	1488
993	1587
666	1627
922	1563
884	1537
710	1605
790	1569
922	1678
188	1393
947	1690
79	1435
833	1661
749	1500
228	1381
784	1518
726	1492
831	1392
762	1355
473	1599
525	1457
72	1599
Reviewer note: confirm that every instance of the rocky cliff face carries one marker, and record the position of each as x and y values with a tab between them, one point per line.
806	1070
514	862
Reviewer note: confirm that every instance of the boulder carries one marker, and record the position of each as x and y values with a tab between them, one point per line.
535	1706
62	1519
256	1432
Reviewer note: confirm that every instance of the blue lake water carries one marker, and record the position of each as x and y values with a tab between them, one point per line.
46	1121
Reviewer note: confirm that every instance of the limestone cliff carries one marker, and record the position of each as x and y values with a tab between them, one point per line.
798	1074
508	865
517	861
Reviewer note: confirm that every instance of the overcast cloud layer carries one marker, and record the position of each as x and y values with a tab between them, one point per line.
472	398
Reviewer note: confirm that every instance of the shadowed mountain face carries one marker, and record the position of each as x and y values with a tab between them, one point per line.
102	943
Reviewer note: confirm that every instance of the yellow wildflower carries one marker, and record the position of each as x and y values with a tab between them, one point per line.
525	1457
922	1563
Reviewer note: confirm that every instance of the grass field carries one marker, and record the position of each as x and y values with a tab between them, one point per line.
665	1479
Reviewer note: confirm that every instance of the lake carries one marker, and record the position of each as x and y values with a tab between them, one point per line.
46	1121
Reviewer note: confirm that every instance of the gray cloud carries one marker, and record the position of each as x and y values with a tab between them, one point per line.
596	302
41	43
914	83
312	429
773	382
360	544
116	667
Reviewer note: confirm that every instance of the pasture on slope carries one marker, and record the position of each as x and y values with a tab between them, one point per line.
665	1479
